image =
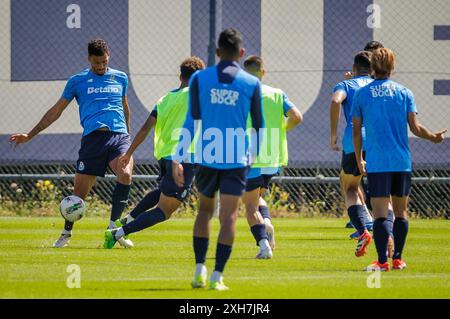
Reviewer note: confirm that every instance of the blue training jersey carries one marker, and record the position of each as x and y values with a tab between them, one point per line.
350	87
383	106
221	98
99	99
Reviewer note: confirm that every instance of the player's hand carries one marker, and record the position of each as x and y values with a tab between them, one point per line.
17	139
348	75
178	174
125	159
362	168
333	144
439	136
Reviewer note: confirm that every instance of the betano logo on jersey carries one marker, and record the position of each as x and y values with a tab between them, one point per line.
106	89
224	96
382	90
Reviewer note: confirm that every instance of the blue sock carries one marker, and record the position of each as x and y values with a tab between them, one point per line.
390	219
381	237
223	253
119	200
145	220
264	210
259	232
401	226
68	225
357	216
200	249
148	202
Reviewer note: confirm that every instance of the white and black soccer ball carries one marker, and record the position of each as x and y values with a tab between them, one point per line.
72	208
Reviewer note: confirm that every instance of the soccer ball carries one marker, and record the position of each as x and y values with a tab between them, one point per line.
72	208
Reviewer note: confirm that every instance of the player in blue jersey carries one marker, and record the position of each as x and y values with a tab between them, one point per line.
101	93
350	176
280	116
167	116
385	109
363	192
220	100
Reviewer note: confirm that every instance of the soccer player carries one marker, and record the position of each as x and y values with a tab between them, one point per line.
362	193
350	176
167	116
386	108
101	93
276	108
220	100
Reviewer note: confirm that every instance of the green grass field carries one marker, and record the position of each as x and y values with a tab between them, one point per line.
313	259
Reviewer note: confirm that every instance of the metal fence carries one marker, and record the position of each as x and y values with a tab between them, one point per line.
306	46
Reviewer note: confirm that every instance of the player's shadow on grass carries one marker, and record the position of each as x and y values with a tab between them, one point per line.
161	289
321	239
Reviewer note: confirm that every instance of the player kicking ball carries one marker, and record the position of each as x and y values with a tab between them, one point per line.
101	94
386	108
273	155
167	116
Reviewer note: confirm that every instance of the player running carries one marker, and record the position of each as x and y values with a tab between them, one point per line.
101	93
350	176
386	108
220	100
273	155
168	116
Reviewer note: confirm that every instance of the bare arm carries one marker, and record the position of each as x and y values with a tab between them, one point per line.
421	131
295	117
51	116
357	144
126	111
138	139
142	134
335	111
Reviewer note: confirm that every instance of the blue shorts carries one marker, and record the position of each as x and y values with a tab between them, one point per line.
98	149
389	183
349	165
227	181
167	184
258	178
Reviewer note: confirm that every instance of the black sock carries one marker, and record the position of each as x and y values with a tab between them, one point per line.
148	202
401	226
390	220
200	249
264	210
357	216
381	237
68	226
145	220
259	232
223	253
119	200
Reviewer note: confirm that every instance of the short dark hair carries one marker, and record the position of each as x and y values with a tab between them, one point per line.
230	41
362	61
190	66
253	62
97	47
373	45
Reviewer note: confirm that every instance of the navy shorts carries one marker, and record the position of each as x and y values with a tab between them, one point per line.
167	184
389	183
227	181
261	181
349	165
98	149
